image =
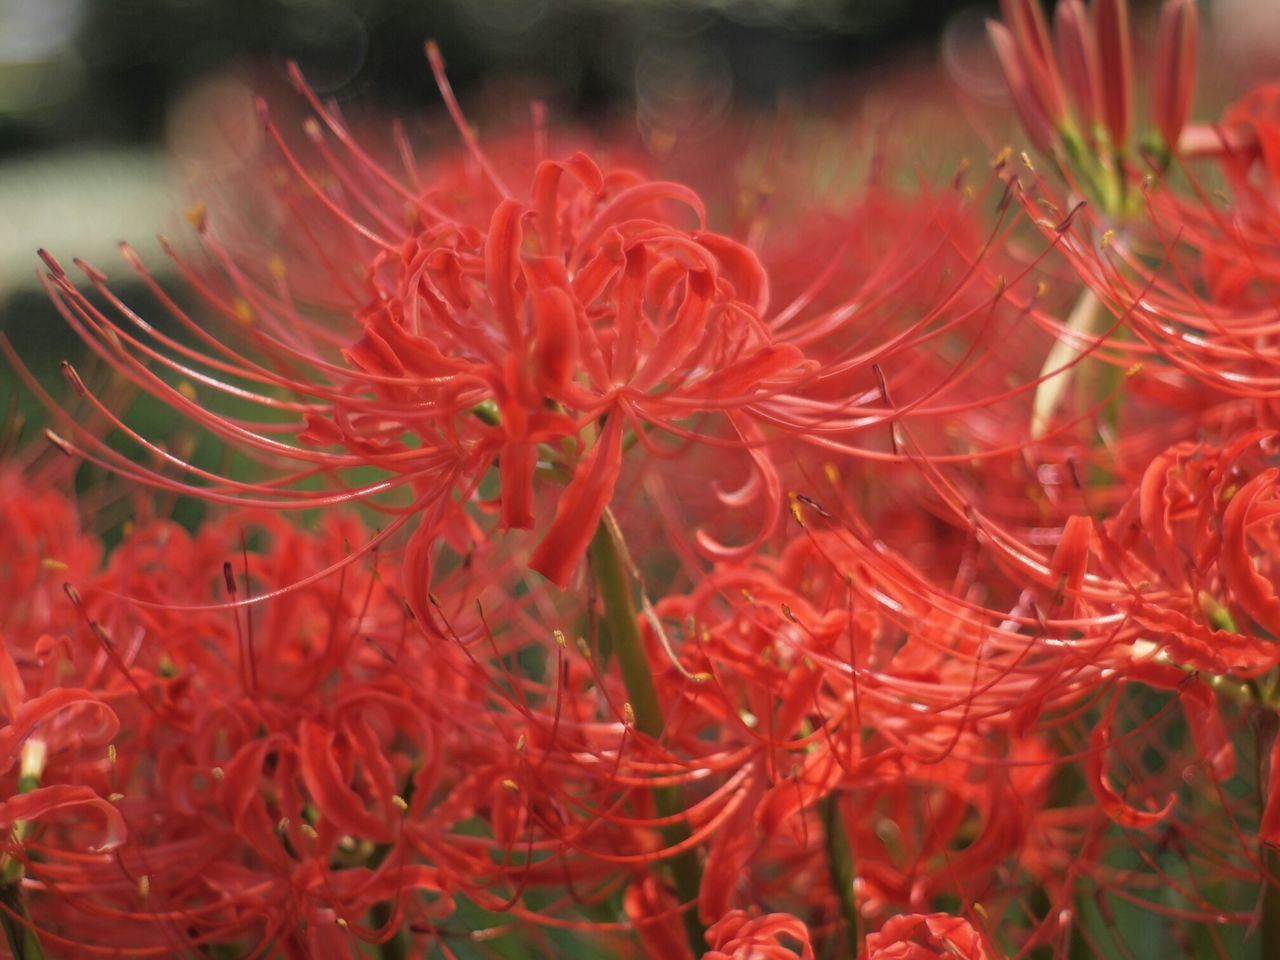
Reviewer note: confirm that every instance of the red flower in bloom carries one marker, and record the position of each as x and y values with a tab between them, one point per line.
580	312
267	752
536	332
1191	555
1258	114
35	732
42	546
932	936
1074	87
739	936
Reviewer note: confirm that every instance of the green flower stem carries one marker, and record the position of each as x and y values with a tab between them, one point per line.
1266	730
1086	321
840	869
1270	933
642	694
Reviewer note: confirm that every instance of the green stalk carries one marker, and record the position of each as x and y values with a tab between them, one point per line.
628	648
1270	922
1088	317
1265	732
840	869
22	940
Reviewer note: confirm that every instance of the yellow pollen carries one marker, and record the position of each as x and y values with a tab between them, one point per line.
400	803
196	214
629	714
276	266
187	390
243	310
795	512
49	563
511	785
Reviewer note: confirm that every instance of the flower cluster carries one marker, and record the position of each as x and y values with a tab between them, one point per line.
620	566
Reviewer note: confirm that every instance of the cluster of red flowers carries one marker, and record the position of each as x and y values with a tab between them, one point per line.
893	578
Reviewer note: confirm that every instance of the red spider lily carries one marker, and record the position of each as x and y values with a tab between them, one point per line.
535	337
1184	281
739	936
934	936
1079	98
237	774
42	546
1257	117
492	331
824	708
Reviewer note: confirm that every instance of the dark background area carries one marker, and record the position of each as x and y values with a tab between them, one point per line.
106	70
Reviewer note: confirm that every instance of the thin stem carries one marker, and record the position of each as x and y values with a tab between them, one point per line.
840	869
1270	922
642	694
22	940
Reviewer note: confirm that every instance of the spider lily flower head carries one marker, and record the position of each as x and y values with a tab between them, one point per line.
834	686
1073	87
1250	129
776	936
238	782
933	936
530	332
569	320
1194	280
43	545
